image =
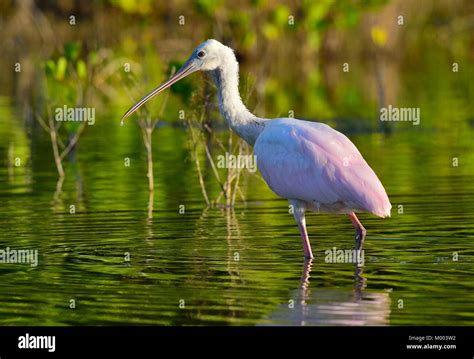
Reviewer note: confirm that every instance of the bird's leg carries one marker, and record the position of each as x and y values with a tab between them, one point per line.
298	213
360	230
305	239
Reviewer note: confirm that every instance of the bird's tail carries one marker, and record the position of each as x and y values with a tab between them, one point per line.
382	206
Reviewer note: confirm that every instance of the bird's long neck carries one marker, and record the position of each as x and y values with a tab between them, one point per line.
238	117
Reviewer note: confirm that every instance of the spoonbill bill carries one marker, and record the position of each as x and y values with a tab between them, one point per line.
309	163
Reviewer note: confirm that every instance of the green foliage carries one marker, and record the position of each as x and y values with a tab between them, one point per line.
72	50
268	45
66	80
379	36
81	69
61	67
207	7
142	7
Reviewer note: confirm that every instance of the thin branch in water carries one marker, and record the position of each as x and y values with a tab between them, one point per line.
201	179
236	186
198	166
54	143
73	141
147	139
214	169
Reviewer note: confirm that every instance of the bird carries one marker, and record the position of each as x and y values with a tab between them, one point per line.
314	166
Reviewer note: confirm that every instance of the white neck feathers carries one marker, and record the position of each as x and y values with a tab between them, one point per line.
237	116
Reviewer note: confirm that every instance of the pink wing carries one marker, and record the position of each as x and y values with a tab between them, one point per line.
312	162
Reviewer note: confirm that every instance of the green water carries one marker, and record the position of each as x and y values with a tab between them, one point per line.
241	266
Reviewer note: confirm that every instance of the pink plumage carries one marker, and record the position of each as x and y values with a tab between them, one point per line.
311	162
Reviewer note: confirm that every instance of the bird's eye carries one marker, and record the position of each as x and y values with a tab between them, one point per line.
201	54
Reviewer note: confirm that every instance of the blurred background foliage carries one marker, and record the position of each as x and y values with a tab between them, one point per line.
291	52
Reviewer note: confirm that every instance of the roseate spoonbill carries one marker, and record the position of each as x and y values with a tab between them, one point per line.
312	165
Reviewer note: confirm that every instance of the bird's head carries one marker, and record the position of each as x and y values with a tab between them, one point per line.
206	57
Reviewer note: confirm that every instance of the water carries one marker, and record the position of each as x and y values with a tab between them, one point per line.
232	267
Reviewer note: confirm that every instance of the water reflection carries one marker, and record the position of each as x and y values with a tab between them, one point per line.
333	307
151	199
233	244
57	203
232	266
